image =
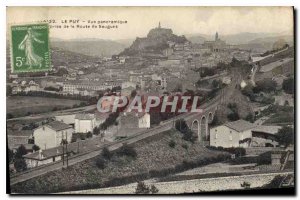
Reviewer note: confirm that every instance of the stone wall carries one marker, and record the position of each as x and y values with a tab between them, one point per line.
196	185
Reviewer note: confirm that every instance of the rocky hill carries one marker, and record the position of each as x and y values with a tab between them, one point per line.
157	40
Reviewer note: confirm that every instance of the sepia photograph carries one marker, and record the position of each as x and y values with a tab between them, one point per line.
150	100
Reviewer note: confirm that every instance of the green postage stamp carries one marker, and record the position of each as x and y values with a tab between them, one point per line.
30	50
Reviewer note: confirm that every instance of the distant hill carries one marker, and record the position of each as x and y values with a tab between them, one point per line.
197	39
90	47
241	38
287	38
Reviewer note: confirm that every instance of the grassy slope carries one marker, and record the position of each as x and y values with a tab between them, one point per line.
153	154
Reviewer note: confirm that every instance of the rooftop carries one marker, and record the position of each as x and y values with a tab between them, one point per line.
240	125
57	125
267	129
83	116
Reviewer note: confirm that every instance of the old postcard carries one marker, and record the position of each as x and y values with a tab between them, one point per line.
150	100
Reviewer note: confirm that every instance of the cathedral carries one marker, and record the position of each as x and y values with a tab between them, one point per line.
216	45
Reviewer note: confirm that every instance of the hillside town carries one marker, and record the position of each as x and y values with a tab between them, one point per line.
246	127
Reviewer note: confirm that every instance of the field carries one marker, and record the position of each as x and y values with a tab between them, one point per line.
23	105
154	155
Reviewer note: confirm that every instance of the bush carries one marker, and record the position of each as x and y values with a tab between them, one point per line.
20	164
189	136
233	116
35	148
82	136
288	86
237	151
181	125
185	146
172	144
89	134
106	154
142	188
267	85
275	182
126	150
264	158
9	116
285	136
100	163
21	151
250	118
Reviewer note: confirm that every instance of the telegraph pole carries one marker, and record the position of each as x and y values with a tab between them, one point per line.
63	154
67	150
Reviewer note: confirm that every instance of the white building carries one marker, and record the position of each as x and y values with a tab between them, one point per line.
231	134
144	120
50	135
128	84
72	87
84	123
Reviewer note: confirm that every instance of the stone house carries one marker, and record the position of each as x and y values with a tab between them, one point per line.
51	135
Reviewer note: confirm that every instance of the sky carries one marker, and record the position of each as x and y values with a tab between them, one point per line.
182	20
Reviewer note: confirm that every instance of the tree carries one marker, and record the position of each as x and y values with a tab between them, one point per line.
21	151
100	163
233	116
127	150
248	91
217	83
74	137
215	121
153	189
20	164
61	72
142	188
285	136
106	154
250	117
288	86
89	134
181	125
267	85
96	131
35	148
275	182
172	144
133	93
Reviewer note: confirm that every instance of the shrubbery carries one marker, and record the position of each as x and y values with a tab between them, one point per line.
100	162
127	150
237	151
187	133
142	188
172	144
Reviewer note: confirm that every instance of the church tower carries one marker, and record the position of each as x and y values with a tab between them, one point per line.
159	25
216	36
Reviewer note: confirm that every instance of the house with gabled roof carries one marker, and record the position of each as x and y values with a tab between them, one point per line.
51	135
231	134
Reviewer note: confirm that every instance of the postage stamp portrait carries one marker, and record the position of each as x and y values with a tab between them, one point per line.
30	50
